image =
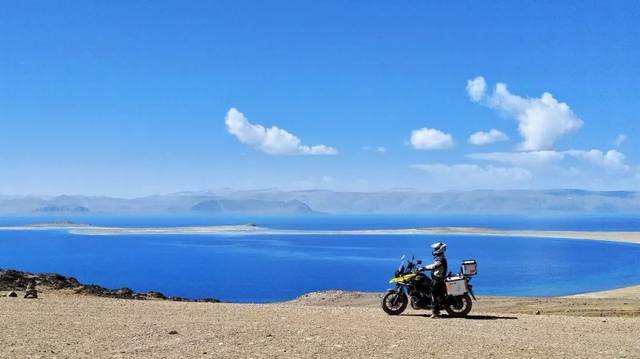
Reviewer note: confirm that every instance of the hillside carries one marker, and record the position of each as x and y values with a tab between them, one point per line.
272	201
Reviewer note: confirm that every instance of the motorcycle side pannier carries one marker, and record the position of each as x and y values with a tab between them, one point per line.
456	285
469	267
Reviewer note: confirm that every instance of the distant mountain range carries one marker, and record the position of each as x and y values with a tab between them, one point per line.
273	201
252	206
49	209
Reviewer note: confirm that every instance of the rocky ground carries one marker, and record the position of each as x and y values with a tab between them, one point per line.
62	324
616	303
13	280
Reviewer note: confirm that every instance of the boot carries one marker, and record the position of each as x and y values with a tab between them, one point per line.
435	312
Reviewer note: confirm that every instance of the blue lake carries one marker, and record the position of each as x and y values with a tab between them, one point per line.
263	268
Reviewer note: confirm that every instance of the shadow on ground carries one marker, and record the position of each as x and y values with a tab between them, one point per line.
468	317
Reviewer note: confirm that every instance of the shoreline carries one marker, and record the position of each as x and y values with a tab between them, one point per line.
79	229
629	292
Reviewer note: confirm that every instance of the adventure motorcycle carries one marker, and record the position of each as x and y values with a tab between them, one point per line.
413	287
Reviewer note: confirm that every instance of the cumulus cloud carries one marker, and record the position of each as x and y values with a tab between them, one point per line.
430	139
484	138
541	120
611	159
476	88
272	140
620	139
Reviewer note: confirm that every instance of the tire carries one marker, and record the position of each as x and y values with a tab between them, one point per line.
394	303
461	309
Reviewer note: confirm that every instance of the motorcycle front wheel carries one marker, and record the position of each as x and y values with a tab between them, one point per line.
394	303
459	306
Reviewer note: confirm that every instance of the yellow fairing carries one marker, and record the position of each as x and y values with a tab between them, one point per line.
403	278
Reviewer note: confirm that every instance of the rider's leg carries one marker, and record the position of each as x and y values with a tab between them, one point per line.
436	296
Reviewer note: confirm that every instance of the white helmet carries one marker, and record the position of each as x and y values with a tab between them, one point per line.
438	248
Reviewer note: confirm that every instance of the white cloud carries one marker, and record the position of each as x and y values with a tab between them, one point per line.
573	173
381	149
620	139
483	138
611	159
430	139
526	159
272	140
541	120
476	88
472	176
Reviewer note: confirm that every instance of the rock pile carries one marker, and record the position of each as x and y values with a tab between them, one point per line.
13	280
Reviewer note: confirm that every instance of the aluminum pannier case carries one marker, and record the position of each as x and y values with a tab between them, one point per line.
469	267
456	285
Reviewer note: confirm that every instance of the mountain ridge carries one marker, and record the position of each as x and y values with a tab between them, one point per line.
275	201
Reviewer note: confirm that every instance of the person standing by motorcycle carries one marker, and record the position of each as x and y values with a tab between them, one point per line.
438	273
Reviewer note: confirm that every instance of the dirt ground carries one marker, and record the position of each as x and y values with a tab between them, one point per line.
617	303
320	325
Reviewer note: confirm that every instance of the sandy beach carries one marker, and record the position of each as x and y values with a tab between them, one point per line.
320	325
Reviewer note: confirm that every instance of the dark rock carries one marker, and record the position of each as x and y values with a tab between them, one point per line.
13	280
173	332
155	295
91	289
538	312
124	292
208	300
12	294
32	292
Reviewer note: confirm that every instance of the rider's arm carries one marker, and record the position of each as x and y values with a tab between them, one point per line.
433	266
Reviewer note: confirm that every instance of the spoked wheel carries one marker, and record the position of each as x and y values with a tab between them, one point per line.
459	306
394	303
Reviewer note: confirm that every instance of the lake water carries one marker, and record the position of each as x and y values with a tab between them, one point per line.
264	268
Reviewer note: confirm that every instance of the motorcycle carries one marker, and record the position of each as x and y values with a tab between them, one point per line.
413	287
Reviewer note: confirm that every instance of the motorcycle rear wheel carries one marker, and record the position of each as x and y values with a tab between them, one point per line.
459	309
394	303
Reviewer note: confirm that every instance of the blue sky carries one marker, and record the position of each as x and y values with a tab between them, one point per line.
134	98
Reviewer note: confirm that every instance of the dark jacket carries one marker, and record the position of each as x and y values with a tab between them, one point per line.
438	268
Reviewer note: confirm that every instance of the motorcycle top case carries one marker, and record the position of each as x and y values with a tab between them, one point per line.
469	267
456	285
